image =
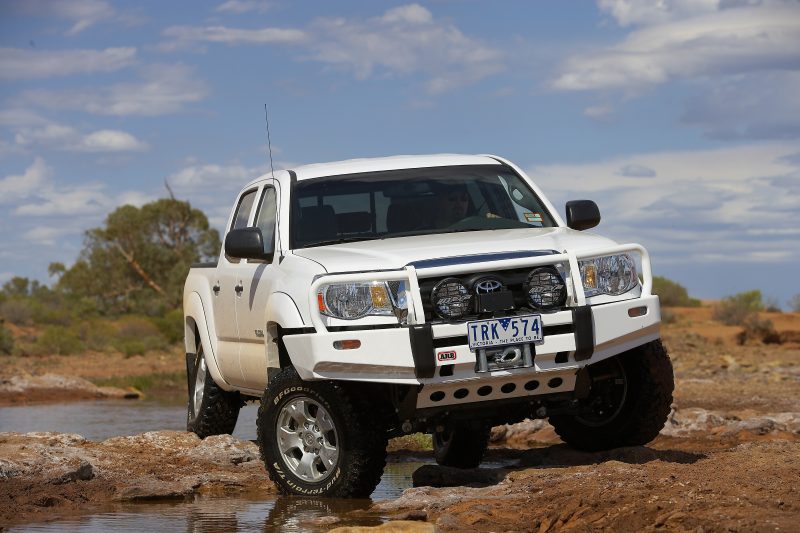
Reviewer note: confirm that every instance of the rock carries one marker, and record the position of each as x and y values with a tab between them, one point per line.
83	471
445	476
395	526
54	387
144	489
225	448
690	421
524	434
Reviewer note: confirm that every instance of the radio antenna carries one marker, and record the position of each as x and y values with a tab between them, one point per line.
272	168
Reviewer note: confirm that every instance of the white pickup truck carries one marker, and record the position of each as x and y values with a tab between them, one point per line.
371	298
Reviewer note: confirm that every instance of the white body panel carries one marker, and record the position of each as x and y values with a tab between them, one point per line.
239	331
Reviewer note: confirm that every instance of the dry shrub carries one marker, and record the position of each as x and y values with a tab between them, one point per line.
59	340
672	294
758	330
737	309
6	339
137	335
17	311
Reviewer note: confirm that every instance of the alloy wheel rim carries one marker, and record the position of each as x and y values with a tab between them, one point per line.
307	439
199	384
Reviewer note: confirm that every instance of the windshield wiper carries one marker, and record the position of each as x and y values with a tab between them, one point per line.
338	241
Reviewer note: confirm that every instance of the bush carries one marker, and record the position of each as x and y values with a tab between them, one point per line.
672	294
735	310
136	335
6	340
758	330
771	305
17	311
170	325
98	334
59	340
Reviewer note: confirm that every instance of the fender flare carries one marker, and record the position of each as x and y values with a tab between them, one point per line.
281	311
195	317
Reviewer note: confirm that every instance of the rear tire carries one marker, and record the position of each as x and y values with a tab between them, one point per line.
211	410
628	404
461	446
320	438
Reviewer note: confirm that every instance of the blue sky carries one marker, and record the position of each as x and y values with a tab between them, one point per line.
680	118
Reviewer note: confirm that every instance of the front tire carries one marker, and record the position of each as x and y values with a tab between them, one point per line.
628	404
319	438
461	446
211	410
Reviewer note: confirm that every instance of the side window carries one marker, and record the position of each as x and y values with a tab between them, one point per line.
243	210
265	218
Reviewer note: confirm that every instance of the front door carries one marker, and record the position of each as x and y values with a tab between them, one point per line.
257	280
225	288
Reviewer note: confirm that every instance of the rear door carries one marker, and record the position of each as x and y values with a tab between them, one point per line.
225	289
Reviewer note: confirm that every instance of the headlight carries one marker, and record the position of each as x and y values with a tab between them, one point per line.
611	274
350	301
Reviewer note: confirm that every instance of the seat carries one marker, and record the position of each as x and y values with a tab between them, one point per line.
317	223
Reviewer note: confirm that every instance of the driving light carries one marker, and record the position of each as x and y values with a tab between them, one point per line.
610	274
545	288
451	299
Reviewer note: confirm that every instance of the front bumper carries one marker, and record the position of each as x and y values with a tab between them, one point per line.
386	355
410	355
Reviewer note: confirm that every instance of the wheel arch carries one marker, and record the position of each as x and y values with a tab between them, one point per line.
196	329
281	313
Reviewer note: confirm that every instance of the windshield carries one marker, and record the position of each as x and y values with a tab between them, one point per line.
420	201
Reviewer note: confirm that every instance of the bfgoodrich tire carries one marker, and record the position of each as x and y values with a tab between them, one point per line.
318	438
628	404
461	446
211	410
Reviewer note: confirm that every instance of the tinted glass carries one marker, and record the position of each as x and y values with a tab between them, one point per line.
265	219
399	203
243	210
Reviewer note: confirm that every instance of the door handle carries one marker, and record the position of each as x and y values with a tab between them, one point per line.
238	288
215	288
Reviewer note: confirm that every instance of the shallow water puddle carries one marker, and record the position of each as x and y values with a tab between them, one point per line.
281	514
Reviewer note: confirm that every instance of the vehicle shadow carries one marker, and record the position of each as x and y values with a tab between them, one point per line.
555	456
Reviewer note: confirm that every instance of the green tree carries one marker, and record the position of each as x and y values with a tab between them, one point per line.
139	259
735	310
672	294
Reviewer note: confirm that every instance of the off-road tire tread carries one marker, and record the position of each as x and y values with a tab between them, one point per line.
219	411
467	448
651	366
364	464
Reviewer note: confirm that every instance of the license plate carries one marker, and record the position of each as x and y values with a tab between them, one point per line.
502	331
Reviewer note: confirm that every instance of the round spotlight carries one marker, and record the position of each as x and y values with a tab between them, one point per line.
545	288
451	299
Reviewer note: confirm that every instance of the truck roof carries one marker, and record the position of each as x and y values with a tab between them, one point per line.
374	164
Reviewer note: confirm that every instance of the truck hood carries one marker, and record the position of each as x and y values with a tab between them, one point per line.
395	253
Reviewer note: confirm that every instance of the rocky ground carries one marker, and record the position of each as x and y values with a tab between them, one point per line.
728	459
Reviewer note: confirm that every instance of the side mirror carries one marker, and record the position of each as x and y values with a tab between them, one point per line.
582	214
247	243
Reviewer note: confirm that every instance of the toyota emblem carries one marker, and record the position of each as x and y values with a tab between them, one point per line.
485	286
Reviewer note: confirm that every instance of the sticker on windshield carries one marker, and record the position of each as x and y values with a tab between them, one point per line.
532	217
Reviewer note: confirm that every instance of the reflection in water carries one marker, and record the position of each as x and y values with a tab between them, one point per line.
99	420
215	514
103	419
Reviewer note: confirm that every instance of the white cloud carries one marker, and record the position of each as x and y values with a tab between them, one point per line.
404	40
729	41
753	106
20	64
737	202
15	187
48	235
599	112
636	171
66	138
244	6
199	176
164	89
627	12
184	36
82	13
